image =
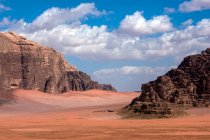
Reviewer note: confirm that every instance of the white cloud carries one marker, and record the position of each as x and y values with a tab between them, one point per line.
81	40
58	16
194	5
98	43
187	22
71	37
4	8
130	70
168	10
136	24
129	78
5	22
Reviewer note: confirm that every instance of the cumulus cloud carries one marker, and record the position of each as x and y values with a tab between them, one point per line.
136	24
81	40
5	22
130	70
187	22
168	10
194	5
71	37
59	16
129	77
98	43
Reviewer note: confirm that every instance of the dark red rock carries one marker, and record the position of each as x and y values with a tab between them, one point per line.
108	87
28	65
77	81
187	86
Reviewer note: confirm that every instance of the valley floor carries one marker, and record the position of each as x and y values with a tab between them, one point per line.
91	115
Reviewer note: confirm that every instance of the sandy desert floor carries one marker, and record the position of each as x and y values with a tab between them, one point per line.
91	115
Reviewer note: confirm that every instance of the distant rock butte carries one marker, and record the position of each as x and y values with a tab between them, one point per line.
28	65
186	86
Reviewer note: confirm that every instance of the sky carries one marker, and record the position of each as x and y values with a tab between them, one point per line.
125	43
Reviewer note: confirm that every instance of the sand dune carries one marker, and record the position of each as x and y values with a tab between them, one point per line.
85	115
31	101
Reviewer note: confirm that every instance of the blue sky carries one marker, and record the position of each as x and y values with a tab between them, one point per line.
122	42
119	9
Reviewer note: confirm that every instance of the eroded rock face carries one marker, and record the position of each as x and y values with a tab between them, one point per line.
78	80
28	65
107	87
187	86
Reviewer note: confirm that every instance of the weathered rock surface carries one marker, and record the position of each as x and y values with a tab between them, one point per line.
107	87
77	80
28	65
186	86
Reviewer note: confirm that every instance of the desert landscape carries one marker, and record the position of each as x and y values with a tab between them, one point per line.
91	115
44	97
105	70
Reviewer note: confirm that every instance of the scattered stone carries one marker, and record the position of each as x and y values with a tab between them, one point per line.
110	110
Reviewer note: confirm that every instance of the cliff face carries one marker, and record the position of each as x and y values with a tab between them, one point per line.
186	86
28	65
78	80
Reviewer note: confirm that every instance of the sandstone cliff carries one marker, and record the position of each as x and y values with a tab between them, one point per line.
186	86
78	80
28	65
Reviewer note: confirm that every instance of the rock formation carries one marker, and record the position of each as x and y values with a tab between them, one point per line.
107	87
28	65
186	86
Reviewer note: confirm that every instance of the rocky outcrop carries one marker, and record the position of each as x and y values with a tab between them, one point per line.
107	87
78	80
28	65
186	86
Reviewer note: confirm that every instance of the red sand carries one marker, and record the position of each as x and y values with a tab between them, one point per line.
83	115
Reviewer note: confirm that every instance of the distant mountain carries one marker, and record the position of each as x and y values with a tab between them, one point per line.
28	65
186	86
